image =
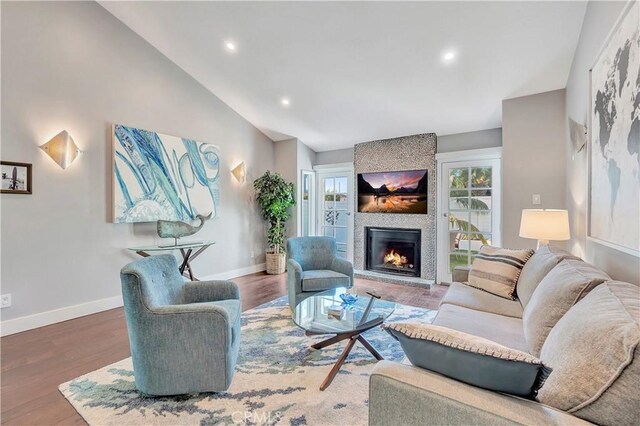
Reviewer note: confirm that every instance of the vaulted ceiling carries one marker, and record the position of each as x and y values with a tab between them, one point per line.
356	71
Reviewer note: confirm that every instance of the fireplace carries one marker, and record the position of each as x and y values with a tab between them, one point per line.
393	250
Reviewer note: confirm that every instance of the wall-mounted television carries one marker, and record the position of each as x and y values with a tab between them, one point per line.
393	192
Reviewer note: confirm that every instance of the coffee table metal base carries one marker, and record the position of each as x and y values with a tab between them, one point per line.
353	337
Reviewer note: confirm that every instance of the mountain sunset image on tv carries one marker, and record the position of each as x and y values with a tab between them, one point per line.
393	192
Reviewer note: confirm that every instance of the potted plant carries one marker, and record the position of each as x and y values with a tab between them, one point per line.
275	197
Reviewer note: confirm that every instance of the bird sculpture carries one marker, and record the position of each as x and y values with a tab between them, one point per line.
176	229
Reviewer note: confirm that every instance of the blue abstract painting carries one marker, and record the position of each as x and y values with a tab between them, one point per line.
159	176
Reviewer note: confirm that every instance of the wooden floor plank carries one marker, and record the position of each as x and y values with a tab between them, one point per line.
35	362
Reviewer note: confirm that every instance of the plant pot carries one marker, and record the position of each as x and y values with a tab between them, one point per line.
276	263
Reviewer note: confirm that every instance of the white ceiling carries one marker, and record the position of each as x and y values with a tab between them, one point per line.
358	71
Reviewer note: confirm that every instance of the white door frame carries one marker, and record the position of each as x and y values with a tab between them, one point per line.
332	169
312	201
442	207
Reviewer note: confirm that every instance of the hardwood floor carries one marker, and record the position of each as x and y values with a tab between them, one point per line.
35	362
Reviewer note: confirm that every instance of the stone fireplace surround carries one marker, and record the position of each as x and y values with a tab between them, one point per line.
397	154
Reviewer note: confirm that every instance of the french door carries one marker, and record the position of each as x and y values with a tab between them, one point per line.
335	206
469	212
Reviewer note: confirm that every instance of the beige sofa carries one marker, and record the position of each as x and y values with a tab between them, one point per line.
401	394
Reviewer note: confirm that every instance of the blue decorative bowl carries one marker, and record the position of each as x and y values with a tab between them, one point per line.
348	299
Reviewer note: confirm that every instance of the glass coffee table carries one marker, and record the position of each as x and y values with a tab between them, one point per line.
368	311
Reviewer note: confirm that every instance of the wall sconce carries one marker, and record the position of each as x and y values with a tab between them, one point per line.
239	172
62	149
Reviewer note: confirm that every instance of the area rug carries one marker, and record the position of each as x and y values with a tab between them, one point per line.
277	380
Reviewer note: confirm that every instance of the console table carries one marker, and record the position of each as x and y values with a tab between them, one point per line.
186	250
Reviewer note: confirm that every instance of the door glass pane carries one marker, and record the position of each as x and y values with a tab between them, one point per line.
341	235
481	199
341	185
459	252
329	186
341	218
328	201
481	177
330	217
458	221
328	231
459	178
342	201
480	221
458	199
329	190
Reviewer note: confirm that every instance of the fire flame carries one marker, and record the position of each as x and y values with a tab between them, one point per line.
395	259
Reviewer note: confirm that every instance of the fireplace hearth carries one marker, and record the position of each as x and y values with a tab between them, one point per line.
393	251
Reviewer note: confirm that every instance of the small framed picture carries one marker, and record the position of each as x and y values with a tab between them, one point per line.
16	178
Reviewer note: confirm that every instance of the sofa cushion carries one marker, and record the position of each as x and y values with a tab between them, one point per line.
496	270
506	331
562	288
460	294
323	279
470	359
536	268
595	356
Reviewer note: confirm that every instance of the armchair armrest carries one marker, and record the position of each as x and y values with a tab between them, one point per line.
460	274
210	291
192	309
343	266
182	325
294	275
429	396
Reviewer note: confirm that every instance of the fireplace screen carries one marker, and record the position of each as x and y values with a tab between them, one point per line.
392	250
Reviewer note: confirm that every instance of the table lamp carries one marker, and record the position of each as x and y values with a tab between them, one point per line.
544	225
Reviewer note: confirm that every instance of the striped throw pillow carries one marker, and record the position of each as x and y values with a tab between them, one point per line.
496	270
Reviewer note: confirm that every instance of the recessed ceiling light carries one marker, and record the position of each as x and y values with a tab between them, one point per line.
231	46
449	56
285	101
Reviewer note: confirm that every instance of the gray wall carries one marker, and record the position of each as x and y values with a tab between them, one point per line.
335	156
73	66
533	159
286	163
408	153
598	22
489	138
291	157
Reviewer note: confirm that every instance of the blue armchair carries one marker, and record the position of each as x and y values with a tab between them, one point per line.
312	266
184	336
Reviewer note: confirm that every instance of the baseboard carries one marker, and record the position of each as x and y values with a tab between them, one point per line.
42	319
30	322
234	273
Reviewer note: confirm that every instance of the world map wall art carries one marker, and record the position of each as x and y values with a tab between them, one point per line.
614	194
159	176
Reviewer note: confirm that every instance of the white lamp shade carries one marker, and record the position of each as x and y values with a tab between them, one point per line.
545	224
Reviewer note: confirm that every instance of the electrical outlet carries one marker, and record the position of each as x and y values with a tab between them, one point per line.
5	301
253	254
536	199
